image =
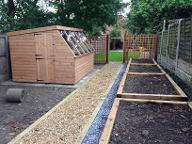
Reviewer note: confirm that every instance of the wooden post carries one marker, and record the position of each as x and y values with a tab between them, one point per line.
124	40
155	45
107	48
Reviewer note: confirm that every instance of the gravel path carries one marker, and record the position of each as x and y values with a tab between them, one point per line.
67	121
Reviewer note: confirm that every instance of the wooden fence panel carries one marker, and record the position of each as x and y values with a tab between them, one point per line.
175	49
185	51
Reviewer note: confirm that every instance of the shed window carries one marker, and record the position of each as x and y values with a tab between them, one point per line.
78	42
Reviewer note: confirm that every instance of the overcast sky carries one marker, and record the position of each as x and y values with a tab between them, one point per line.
127	9
124	13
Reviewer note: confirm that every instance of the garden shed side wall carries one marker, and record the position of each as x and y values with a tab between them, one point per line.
83	65
64	60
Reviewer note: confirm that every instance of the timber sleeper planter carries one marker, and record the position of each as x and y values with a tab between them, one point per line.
148	81
148	121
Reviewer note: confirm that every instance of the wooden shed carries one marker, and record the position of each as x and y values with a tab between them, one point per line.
53	54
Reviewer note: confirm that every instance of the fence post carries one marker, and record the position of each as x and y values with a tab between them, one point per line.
162	34
167	43
178	43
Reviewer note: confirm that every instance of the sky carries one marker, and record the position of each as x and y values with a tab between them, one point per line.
126	11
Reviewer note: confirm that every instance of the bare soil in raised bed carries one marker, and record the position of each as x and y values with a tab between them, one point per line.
149	123
151	84
150	61
15	117
139	68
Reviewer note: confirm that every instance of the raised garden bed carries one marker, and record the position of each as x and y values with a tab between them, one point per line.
149	85
134	121
144	68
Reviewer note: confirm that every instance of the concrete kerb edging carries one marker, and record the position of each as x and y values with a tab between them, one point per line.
95	130
19	136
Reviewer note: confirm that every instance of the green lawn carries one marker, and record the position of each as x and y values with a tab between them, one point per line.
115	56
118	56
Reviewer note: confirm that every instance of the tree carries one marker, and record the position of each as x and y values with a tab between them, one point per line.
92	16
116	31
146	16
22	14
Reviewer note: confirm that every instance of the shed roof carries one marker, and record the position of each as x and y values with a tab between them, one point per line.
42	29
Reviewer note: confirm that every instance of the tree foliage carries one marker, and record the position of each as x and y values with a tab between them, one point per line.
116	31
146	16
92	15
22	14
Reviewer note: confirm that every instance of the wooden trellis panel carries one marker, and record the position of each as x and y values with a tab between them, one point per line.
145	43
101	46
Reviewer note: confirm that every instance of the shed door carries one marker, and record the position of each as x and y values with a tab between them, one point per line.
41	54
